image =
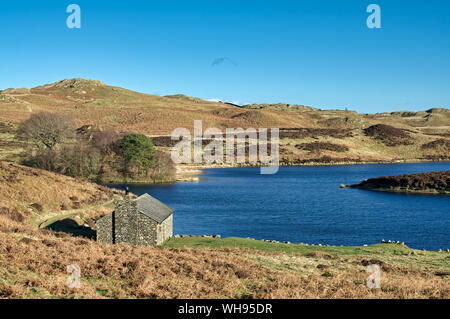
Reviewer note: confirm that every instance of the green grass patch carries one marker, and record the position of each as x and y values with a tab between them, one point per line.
234	242
395	254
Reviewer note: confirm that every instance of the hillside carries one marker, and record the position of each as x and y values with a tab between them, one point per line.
35	206
37	196
34	258
34	265
357	138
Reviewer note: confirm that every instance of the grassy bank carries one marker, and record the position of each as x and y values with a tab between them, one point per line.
33	265
397	254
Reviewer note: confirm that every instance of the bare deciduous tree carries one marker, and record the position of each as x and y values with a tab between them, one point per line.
105	140
162	168
47	129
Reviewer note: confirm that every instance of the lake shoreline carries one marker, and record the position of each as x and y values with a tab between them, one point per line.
214	241
304	204
191	172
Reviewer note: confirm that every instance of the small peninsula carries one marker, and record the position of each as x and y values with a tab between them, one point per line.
422	183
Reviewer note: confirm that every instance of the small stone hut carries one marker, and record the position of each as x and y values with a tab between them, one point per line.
144	221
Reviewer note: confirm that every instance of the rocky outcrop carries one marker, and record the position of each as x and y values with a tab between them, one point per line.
427	183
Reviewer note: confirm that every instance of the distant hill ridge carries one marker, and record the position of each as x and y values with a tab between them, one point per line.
368	137
94	93
78	83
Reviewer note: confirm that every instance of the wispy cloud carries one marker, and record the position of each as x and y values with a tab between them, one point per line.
222	60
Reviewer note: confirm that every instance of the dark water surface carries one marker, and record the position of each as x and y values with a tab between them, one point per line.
305	204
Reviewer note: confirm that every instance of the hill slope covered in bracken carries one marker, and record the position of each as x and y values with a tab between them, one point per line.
34	258
356	137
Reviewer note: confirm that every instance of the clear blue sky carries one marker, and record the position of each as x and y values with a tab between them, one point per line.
317	53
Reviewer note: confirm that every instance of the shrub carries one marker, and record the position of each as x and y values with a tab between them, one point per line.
441	143
319	146
162	168
44	159
137	148
72	160
79	161
389	135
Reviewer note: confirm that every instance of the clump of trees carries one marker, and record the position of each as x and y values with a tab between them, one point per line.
96	154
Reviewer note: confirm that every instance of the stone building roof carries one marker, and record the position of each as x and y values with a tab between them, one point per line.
153	208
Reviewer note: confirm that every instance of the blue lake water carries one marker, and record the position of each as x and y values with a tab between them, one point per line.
305	204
